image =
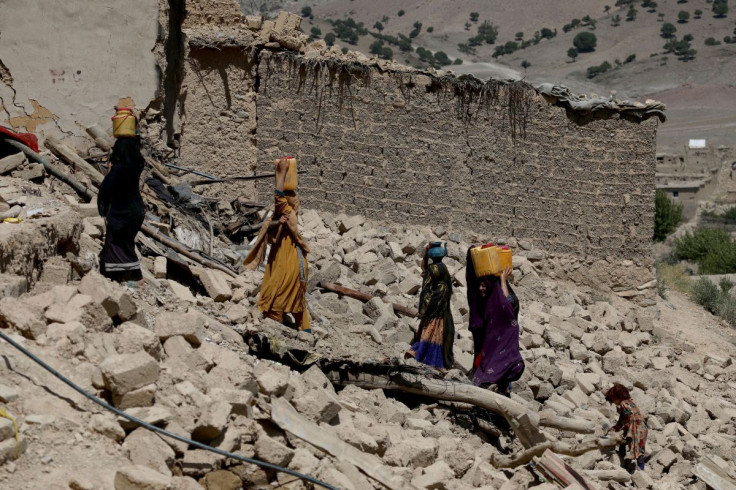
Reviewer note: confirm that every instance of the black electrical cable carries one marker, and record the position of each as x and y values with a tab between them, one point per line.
159	430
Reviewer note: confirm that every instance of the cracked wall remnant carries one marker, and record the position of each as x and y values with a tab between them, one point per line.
67	76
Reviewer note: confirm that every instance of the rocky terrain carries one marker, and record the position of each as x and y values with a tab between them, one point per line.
185	361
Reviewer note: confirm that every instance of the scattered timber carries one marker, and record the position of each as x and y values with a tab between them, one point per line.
182	249
102	140
527	455
335	288
88	194
67	154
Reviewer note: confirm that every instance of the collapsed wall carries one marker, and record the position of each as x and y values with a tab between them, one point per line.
494	158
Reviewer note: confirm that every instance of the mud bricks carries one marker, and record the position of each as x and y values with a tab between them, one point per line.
395	146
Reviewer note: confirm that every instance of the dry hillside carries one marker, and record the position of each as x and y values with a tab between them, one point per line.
695	91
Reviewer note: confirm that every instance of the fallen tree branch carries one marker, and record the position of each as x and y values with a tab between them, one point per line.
84	192
335	288
580	426
284	415
558	447
102	140
67	154
179	247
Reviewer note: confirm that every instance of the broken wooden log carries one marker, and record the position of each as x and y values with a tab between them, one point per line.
284	415
102	139
619	475
580	426
159	170
67	154
84	192
440	389
527	455
335	288
182	249
559	473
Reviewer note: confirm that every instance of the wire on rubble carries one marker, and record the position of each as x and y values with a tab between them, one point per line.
159	430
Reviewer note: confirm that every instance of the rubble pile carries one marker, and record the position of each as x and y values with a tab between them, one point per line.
175	353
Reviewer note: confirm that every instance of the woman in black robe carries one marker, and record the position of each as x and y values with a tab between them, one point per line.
121	204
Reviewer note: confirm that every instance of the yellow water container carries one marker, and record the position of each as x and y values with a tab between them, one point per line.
504	256
292	180
490	260
123	123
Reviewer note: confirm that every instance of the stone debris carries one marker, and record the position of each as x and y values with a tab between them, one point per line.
187	363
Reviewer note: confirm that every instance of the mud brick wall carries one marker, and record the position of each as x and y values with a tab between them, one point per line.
398	147
218	134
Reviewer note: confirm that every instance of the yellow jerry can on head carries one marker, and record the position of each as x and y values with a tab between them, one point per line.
292	178
124	123
490	259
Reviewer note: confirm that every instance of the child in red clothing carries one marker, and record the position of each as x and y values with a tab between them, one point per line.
631	422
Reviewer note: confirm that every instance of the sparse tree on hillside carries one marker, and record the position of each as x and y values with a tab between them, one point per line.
378	26
519	36
688	38
385	19
306	11
417	29
698	14
683	16
720	8
668	30
616	20
681	1
660	17
585	42
607	8
488	32
400	13
467	26
430	29
474	16
330	39
441	58
525	64
667	215
572	53
465	48
652	7
316	32
711	41
631	14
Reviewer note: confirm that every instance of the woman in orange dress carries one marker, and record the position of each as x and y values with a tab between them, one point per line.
284	285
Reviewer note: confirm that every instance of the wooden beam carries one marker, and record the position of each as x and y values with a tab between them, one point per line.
67	154
284	415
352	293
713	475
583	447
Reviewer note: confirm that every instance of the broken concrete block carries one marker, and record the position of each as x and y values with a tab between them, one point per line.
253	22
272	451
114	299
155	415
217	288
178	348
127	372
106	425
142	397
434	477
141	478
317	405
240	401
182	292
131	338
197	462
212	422
87	209
347	223
159	267
145	448
8	394
56	270
222	480
24	317
10	163
376	308
12	285
11	450
188	325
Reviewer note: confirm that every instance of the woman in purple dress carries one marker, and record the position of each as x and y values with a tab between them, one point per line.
494	314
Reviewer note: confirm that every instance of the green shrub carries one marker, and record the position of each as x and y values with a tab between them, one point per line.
720	8
706	294
711	41
719	260
585	42
667	215
667	30
683	16
400	13
725	284
306	11
696	245
726	309
673	276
